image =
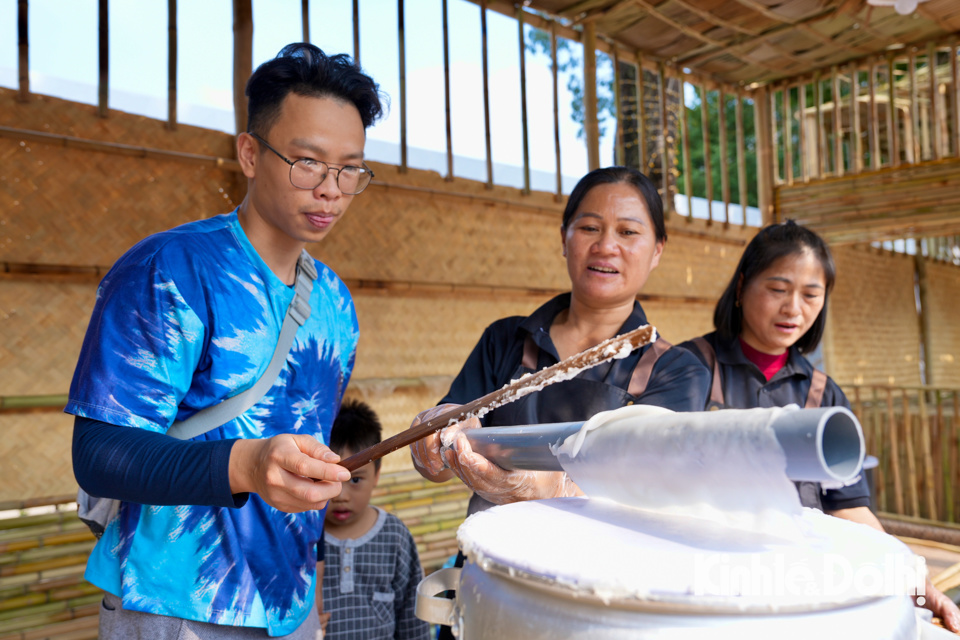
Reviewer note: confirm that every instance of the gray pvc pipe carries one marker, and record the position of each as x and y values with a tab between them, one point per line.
820	445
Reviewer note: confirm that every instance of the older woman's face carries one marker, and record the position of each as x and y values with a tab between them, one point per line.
611	245
781	304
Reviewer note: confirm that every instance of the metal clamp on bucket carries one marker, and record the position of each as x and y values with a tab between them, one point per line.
431	608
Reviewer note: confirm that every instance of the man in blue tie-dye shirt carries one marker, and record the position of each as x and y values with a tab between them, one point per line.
218	536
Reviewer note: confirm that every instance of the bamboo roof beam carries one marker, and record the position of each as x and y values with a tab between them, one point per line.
713	19
761	9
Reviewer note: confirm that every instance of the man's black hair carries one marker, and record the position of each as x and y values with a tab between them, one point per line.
769	245
355	428
305	70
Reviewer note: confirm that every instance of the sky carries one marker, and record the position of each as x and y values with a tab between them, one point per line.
63	62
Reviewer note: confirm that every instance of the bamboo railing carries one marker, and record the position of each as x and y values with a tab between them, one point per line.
914	432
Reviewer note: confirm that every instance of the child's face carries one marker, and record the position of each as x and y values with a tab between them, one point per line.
346	509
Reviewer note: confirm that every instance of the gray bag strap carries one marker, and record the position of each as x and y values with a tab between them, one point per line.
222	413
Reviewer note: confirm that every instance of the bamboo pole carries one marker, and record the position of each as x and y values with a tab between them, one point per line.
356	32
955	451
556	108
724	159
23	51
955	96
911	460
761	106
448	113
486	92
708	170
523	102
402	71
801	134
912	142
893	115
103	85
880	479
172	64
936	138
775	139
894	454
837	124
929	466
242	59
642	117
787	140
685	141
305	19
663	143
741	160
857	164
619	151
874	117
821	142
942	447
591	124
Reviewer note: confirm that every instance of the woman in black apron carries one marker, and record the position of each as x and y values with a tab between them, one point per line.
772	313
612	236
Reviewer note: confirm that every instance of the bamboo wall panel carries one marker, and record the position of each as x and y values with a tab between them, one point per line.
35	449
874	330
943	309
922	199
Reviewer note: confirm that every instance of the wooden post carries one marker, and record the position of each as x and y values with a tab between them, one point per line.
724	161
707	169
787	141
929	466
242	59
955	449
821	142
523	102
663	143
941	448
912	141
23	50
925	328
761	106
619	151
880	479
837	124
103	101
685	141
642	118
955	96
446	91
402	71
486	92
801	134
857	151
171	64
356	32
591	125
893	117
556	108
874	117
776	143
894	454
305	19
911	459
741	159
936	138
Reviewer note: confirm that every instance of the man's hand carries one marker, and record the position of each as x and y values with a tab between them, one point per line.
942	607
290	472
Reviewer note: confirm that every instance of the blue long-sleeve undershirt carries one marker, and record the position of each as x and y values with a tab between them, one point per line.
141	466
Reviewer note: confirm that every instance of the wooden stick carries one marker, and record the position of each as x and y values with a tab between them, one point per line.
446	91
894	453
305	19
911	460
929	465
857	146
741	159
685	137
837	124
955	97
821	142
801	134
556	107
23	51
619	346
708	173
724	157
486	92
523	100
880	480
787	141
103	86
874	118
935	138
172	64
893	117
402	73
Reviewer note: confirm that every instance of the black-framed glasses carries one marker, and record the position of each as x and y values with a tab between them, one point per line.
309	174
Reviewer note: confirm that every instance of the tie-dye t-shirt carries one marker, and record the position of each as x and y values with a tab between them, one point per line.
184	319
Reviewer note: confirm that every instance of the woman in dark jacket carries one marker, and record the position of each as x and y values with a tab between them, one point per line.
770	316
612	236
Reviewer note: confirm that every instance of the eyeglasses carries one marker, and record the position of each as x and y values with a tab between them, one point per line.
309	174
